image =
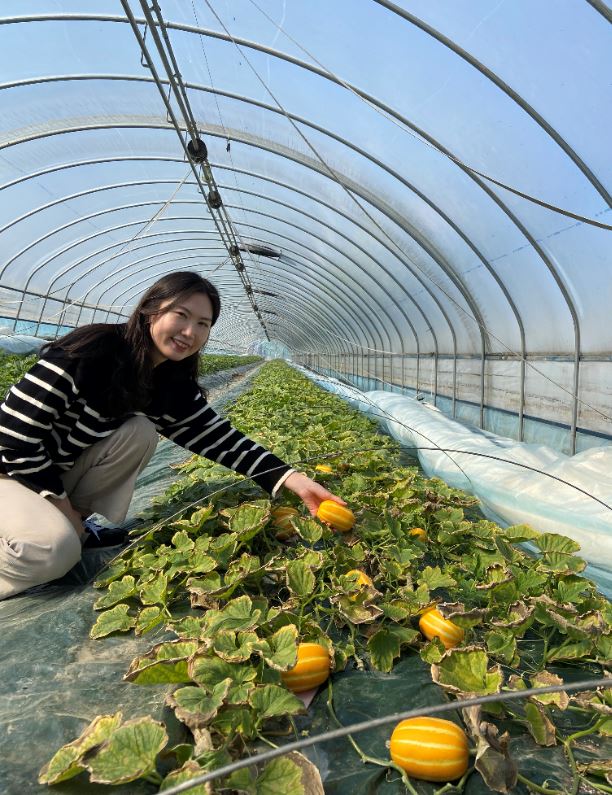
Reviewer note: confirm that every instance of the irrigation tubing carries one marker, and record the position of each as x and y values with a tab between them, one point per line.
355	728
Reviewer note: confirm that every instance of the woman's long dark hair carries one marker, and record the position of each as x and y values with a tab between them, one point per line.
133	378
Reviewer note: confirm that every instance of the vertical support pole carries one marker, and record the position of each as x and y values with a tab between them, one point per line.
521	428
482	381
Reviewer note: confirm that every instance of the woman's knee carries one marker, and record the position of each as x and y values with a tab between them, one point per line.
65	551
142	430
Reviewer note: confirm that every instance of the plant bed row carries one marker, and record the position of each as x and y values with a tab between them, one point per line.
238	587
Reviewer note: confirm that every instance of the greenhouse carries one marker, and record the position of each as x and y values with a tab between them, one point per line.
306	397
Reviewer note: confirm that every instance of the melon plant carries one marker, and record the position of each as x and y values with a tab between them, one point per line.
209	571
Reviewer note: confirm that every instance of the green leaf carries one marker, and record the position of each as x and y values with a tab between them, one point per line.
308	529
501	644
248	519
164	663
520	532
154	591
603	645
466	671
546	679
300	579
235	720
117	592
397	610
195	707
182	542
272	701
209	671
280	650
66	763
433	651
188	771
129	753
235	646
240	569
553	542
357	611
434	577
385	646
115	620
238	614
112	573
605	727
570	651
561	563
148	619
280	777
540	726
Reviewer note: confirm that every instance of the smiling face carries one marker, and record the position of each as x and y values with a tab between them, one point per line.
181	331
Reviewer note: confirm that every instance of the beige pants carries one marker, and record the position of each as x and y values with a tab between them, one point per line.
37	542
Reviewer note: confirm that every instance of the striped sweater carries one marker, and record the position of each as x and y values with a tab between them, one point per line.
54	413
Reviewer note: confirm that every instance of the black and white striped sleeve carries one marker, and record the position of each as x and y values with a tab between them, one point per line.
26	417
204	432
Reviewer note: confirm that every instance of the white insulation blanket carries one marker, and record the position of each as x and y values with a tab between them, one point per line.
516	483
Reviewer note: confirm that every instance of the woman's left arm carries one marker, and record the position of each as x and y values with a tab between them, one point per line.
193	424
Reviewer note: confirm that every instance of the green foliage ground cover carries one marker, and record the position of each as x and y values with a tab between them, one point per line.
213	362
235	601
12	369
14	366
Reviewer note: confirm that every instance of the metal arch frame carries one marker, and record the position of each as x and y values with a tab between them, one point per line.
522	358
503	86
411	187
442	264
368	334
319	221
392	217
316	70
333	307
384	212
316	199
133	183
117	227
411	232
243	190
68	303
273	266
132	286
51	293
526	234
253	45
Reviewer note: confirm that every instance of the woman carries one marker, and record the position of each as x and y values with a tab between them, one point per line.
83	422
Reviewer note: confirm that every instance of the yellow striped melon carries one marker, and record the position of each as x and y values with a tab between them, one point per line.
433	625
281	517
419	533
336	515
431	749
311	669
362	579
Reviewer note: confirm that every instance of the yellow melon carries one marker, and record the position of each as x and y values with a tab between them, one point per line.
338	516
431	749
433	625
311	669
